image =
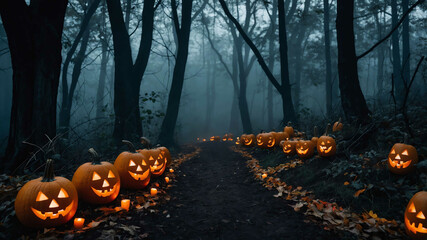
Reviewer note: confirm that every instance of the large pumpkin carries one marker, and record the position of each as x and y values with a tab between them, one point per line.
156	161
265	140
326	146
402	158
133	168
305	148
248	140
416	216
289	147
289	130
97	182
280	136
47	201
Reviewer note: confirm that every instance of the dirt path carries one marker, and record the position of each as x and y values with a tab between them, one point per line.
216	197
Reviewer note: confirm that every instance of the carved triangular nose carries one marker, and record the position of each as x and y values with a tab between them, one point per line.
105	184
151	158
397	157
138	169
53	204
156	163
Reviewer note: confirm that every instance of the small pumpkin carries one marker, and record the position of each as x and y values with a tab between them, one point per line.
133	168
402	158
248	140
326	145
315	137
305	148
155	160
289	130
265	140
97	182
214	138
289	147
337	126
47	201
230	137
416	216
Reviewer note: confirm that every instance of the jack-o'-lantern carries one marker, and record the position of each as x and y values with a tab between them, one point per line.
237	140
97	182
337	126
215	139
280	136
133	168
305	148
47	201
265	140
289	147
315	136
402	158
166	154
230	137
326	146
249	140
225	137
289	130
416	216
155	160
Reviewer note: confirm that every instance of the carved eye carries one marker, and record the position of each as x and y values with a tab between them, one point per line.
328	141
62	193
41	197
111	174
143	163
420	215
405	152
412	208
323	143
131	163
95	176
392	151
289	145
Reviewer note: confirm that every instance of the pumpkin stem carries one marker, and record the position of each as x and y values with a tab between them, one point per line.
94	156
315	132
327	129
145	142
49	175
130	145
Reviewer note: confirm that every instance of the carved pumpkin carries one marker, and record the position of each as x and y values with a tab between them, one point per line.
416	216
280	136
315	136
289	130
337	126
248	140
265	140
326	146
215	138
155	160
230	137
97	182
166	154
225	137
133	168
305	148
289	147
47	201
402	158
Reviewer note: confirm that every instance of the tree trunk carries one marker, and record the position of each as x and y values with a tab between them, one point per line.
352	99
34	36
288	106
128	75
406	66
103	71
398	81
65	111
235	116
380	58
271	55
183	34
328	80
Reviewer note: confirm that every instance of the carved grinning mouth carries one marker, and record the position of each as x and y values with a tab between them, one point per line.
156	167
52	215
303	152
138	176
399	164
412	228
105	192
325	149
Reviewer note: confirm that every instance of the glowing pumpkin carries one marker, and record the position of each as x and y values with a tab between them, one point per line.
326	146
155	160
280	136
47	201
215	138
289	130
416	216
402	158
265	140
248	140
133	168
166	154
289	147
305	148
97	182
337	126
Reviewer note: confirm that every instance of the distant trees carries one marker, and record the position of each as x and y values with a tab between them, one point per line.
34	34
